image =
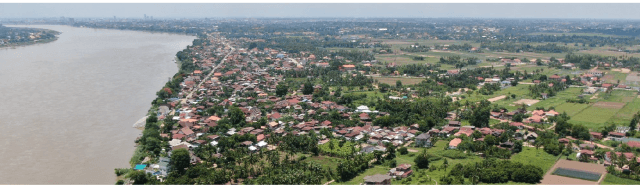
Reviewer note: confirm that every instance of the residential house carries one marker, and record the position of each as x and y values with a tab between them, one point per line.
378	179
401	171
423	140
453	144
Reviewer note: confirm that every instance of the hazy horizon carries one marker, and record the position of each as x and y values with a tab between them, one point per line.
350	10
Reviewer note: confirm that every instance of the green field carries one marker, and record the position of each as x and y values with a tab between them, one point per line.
614	76
571	108
625	114
520	90
619	96
615	180
325	161
559	99
360	178
571	34
536	157
405	59
593	117
404	80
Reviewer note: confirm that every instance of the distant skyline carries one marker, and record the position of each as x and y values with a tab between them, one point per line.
280	10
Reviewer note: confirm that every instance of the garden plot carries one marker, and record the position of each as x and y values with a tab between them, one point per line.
610	105
551	179
573	173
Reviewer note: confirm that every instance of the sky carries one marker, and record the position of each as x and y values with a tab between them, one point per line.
457	10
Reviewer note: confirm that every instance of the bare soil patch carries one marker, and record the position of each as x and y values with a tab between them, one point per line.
634	77
611	105
550	179
625	70
497	98
608	77
527	101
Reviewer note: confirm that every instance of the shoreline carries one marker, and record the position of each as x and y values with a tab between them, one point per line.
16	45
29	43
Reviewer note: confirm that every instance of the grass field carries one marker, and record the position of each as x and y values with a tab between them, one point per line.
559	99
405	59
615	180
404	80
571	108
624	115
379	169
614	76
619	96
536	157
325	161
520	90
593	117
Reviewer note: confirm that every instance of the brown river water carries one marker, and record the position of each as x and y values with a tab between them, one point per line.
69	105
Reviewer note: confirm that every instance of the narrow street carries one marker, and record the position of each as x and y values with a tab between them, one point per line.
182	101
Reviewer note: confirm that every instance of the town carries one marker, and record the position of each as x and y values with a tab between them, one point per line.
377	109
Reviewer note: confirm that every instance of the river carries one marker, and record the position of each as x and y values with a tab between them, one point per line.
68	106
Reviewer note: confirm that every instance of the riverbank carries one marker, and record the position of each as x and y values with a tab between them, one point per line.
34	33
15	45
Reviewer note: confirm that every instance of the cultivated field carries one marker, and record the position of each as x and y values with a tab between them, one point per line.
550	179
609	105
404	80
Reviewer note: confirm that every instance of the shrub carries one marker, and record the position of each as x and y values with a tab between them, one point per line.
403	151
454	154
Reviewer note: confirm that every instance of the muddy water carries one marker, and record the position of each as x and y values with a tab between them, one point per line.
68	106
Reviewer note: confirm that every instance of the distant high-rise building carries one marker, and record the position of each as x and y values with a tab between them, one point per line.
145	16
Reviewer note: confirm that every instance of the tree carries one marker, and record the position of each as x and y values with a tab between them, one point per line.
383	87
481	114
584	158
391	151
422	160
139	177
491	140
445	164
308	88
237	116
180	160
403	151
518	117
153	144
398	83
476	134
281	90
528	174
378	155
517	147
567	151
252	45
